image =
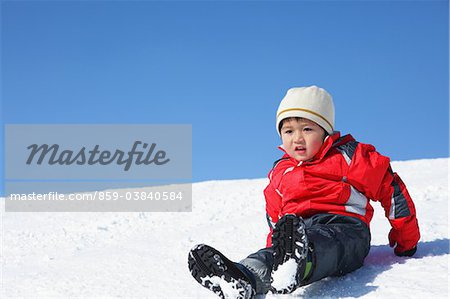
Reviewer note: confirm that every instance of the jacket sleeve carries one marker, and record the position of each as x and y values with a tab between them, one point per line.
273	205
373	174
400	210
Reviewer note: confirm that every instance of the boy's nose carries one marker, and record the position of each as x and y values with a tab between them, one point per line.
298	137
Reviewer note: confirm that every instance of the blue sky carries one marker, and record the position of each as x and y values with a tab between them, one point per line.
224	66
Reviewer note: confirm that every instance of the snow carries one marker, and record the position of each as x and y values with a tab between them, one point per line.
284	276
229	289
145	254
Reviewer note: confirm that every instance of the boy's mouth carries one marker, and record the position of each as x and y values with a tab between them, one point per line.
300	149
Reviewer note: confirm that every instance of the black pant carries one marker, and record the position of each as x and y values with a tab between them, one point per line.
340	244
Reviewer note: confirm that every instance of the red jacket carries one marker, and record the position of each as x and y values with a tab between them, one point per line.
340	179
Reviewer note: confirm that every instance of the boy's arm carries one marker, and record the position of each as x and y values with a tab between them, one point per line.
273	196
273	201
401	212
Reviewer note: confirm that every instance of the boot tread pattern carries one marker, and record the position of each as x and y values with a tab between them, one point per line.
289	241
217	273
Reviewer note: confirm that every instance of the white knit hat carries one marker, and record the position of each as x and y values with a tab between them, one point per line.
313	103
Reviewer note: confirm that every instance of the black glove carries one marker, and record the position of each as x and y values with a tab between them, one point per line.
407	252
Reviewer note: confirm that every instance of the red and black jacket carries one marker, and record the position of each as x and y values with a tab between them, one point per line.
342	178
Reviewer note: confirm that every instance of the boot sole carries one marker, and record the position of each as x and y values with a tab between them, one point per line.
217	273
290	245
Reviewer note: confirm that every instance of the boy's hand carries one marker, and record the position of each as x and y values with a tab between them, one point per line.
408	253
399	248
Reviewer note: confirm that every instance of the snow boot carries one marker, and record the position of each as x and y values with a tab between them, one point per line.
217	273
292	256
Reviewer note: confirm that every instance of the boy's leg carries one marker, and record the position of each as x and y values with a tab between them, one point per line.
260	265
340	245
336	246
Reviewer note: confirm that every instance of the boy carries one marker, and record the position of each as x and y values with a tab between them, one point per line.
317	205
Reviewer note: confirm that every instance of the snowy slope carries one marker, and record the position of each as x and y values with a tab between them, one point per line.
145	254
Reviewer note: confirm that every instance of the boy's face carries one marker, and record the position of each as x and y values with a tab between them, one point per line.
302	138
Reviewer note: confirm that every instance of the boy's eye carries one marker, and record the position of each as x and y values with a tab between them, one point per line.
287	131
307	129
